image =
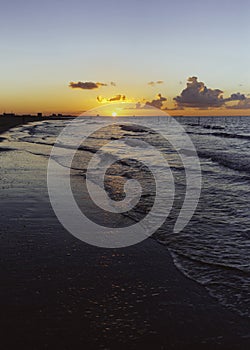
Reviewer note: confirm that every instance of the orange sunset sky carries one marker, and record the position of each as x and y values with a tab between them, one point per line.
186	58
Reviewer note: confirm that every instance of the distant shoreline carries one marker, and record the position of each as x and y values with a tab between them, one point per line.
10	121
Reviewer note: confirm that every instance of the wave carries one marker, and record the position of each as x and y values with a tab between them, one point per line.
227	160
232	291
136	129
231	136
208	262
221	134
6	149
213	127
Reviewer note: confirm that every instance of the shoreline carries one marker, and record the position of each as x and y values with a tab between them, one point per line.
57	291
8	122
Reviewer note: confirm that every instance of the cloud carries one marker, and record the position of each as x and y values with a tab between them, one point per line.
117	98
242	104
158	102
197	95
111	99
153	83
88	85
113	83
235	97
173	109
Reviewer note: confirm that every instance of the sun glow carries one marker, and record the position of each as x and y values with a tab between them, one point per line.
114	114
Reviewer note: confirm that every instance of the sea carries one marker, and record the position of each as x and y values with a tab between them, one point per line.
214	247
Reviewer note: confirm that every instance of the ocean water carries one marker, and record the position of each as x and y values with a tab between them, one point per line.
214	248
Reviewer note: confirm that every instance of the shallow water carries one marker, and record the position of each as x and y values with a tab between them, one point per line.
214	248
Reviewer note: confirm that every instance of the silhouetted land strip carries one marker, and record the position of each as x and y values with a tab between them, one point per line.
10	121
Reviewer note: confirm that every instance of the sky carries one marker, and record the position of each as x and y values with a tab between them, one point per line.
61	56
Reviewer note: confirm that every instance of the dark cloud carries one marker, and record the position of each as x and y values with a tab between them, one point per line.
113	83
235	97
153	83
158	102
197	95
88	85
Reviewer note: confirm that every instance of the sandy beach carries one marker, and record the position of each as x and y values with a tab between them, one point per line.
58	292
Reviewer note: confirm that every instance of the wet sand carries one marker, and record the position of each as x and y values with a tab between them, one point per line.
7	122
60	293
